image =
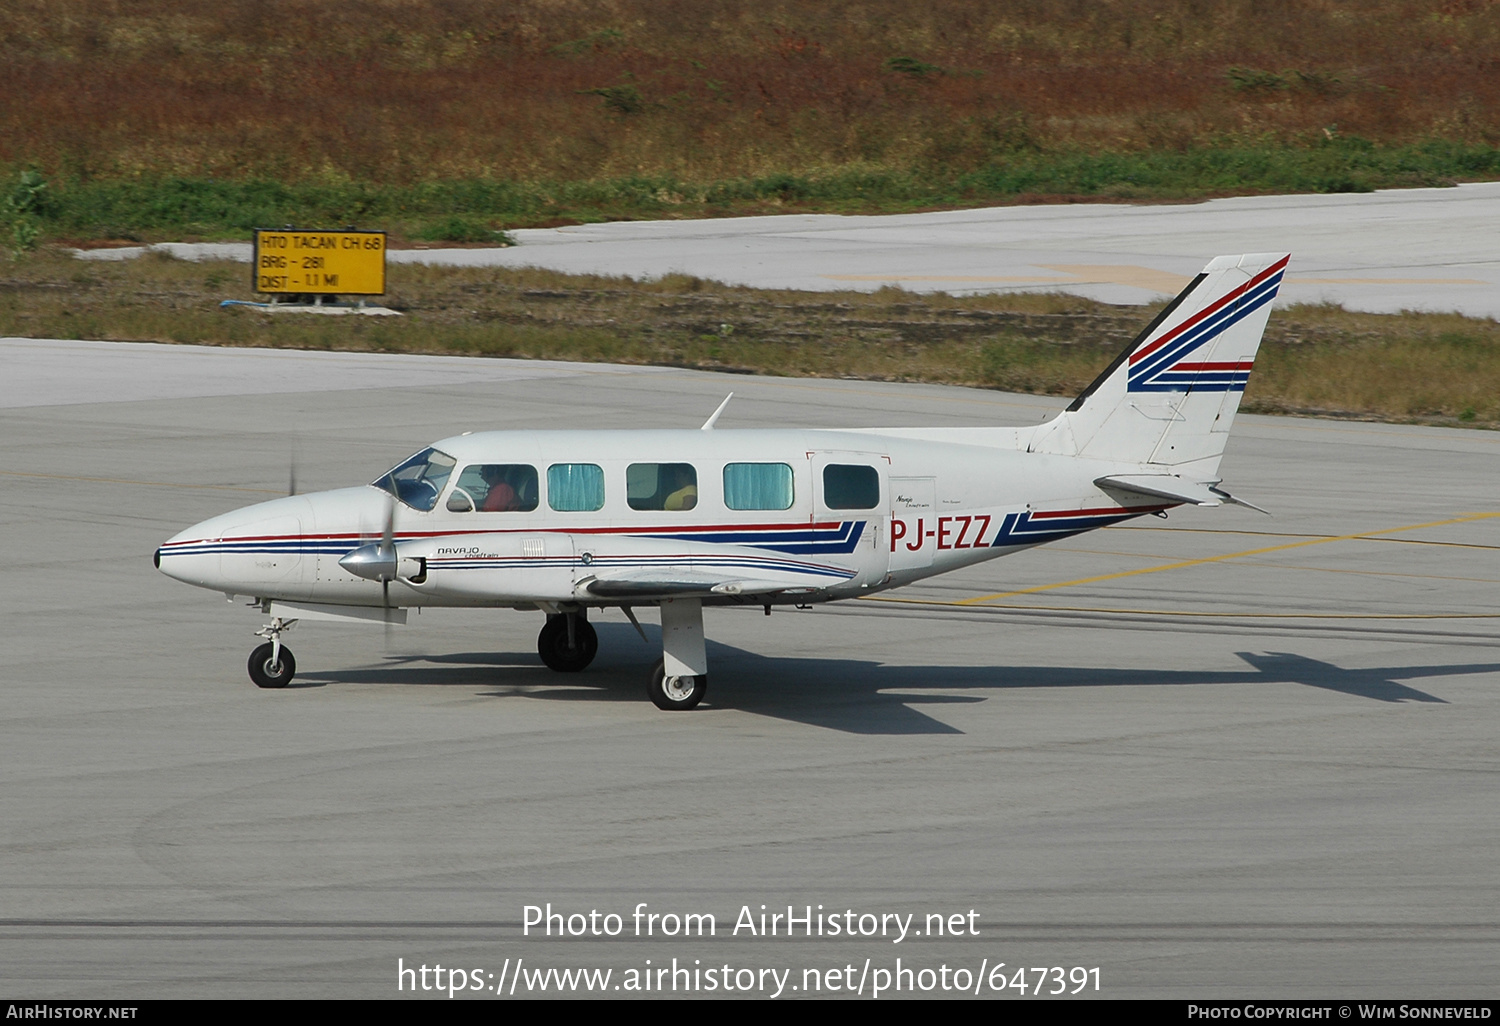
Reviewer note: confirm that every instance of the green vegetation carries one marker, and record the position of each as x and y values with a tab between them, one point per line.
476	210
26	203
1429	368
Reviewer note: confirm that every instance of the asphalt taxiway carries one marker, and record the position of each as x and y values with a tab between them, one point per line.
1223	754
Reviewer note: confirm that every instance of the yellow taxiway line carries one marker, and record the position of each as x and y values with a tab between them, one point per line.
1174	613
987	599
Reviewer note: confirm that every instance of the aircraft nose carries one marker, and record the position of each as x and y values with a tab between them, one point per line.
190	556
238	552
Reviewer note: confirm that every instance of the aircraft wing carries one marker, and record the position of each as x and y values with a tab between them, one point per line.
654	583
1172	488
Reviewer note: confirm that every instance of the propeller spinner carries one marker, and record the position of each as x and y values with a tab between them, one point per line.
379	561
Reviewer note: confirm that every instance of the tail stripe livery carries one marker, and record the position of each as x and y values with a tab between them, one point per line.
1171	400
1158	366
1034	527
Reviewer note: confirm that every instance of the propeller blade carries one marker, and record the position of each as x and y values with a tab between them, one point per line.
387	537
385	587
388	550
376	561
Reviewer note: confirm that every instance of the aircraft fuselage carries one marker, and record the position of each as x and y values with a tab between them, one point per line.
926	507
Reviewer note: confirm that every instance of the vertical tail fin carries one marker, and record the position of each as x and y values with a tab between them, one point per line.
1170	398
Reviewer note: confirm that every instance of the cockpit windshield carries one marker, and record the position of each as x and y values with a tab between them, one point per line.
418	481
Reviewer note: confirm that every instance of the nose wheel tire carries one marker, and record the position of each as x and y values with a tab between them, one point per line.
552	644
268	674
676	693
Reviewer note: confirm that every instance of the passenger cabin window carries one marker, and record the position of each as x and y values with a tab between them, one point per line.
847	486
419	480
758	486
575	487
666	486
495	488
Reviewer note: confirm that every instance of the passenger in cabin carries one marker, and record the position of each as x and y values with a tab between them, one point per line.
684	488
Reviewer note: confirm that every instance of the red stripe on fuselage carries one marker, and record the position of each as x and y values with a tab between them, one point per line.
831	525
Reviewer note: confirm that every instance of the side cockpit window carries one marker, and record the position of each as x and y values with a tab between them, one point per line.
419	480
495	488
663	486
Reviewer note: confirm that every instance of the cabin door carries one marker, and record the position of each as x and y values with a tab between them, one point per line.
850	496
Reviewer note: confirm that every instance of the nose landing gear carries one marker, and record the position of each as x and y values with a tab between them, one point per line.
272	665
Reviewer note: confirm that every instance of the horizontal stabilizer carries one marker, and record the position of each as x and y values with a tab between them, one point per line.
1173	488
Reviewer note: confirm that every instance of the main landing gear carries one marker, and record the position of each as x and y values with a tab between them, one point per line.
680	680
676	691
568	643
272	664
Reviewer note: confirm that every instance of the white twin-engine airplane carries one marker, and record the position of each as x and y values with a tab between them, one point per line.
569	521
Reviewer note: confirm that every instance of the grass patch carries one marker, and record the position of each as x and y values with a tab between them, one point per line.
479	210
1316	360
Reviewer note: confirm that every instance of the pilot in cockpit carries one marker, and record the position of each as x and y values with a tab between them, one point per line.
501	497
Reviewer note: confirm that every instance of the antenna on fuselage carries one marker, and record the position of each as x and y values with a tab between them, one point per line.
708	425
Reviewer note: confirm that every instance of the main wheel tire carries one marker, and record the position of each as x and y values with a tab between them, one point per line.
675	693
272	675
552	644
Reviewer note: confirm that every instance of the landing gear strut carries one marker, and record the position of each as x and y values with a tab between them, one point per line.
272	664
567	642
680	680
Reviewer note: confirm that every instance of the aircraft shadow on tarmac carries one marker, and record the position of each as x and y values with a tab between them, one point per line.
853	695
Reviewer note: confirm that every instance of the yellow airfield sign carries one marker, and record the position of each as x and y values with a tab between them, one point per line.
320	263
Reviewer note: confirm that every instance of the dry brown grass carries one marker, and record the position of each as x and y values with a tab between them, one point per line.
412	90
1431	368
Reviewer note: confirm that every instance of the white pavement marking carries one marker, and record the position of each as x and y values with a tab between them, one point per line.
1418	249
